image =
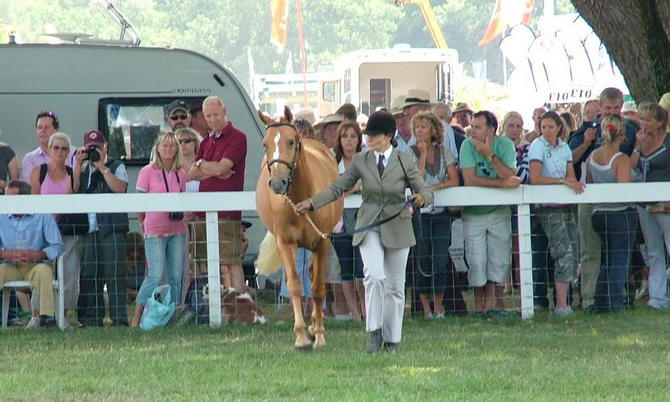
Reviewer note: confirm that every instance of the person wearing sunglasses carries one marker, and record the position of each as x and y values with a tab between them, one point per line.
178	114
189	142
55	177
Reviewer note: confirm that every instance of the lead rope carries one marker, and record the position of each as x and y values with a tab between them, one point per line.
311	222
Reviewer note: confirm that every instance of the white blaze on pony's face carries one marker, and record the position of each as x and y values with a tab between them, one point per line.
281	144
275	154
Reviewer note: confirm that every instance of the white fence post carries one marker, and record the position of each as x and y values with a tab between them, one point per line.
525	262
213	268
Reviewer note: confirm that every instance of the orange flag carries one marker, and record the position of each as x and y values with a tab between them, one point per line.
279	23
507	13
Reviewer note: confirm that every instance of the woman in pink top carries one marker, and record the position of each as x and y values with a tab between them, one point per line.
164	232
56	178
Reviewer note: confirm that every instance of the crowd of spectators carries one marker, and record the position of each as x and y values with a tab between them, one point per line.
584	252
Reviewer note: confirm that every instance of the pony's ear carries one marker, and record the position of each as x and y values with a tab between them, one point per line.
265	118
287	114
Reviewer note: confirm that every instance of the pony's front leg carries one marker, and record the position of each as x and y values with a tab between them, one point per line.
319	260
287	251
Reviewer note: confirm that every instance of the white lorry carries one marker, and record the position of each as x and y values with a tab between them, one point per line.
371	79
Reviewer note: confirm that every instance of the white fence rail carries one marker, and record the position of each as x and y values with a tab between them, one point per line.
523	197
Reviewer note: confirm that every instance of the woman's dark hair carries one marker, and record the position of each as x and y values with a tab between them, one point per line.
570	120
52	115
341	129
551	115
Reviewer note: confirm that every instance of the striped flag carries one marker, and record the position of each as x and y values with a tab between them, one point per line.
507	13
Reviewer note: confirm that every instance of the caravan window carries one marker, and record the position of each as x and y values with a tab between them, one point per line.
132	125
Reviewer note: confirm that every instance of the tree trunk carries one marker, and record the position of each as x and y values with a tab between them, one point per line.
636	34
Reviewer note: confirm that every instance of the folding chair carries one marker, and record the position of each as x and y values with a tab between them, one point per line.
25	285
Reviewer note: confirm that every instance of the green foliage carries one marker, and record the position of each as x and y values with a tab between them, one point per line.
225	29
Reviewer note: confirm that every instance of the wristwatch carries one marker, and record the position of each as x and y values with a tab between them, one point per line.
199	162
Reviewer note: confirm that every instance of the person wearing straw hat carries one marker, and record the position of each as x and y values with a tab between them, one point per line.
401	123
416	101
329	128
463	114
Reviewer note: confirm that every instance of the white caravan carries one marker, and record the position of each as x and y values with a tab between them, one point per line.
371	79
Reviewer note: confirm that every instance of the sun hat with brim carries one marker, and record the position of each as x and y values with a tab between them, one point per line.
416	97
331	118
462	107
396	104
381	122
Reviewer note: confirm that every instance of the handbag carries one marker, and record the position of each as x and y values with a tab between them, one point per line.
159	309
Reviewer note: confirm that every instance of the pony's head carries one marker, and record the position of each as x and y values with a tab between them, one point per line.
282	146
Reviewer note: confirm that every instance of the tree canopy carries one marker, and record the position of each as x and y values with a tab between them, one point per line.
637	37
225	29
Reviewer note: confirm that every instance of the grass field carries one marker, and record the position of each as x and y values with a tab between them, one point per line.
615	357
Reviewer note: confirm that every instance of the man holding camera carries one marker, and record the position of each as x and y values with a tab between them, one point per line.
103	247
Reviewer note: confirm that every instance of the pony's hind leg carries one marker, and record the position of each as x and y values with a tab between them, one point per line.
287	251
319	259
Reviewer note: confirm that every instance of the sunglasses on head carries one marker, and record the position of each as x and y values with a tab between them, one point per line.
178	117
186	141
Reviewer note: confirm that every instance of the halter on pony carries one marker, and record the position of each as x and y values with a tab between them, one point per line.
291	165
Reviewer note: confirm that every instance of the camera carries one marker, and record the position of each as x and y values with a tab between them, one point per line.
176	216
595	124
92	154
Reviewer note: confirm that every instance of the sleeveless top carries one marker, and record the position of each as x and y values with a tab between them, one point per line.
604	174
49	186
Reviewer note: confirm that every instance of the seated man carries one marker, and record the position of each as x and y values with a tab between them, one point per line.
29	245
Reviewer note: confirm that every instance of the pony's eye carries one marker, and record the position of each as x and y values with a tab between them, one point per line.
290	144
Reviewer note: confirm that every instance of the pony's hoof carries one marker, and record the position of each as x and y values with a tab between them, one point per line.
303	348
319	342
310	334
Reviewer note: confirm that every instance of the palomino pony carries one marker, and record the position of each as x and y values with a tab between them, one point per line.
296	169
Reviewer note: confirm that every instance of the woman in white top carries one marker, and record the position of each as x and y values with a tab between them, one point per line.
349	142
550	162
615	224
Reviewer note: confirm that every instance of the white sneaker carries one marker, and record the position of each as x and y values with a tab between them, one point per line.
34	323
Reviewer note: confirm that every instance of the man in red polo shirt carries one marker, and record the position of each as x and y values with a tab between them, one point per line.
219	165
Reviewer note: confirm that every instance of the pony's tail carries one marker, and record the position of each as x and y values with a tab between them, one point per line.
268	261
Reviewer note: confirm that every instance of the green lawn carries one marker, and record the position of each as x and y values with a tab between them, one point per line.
616	357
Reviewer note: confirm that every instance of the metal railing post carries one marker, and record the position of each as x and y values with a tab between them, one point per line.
213	268
525	262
